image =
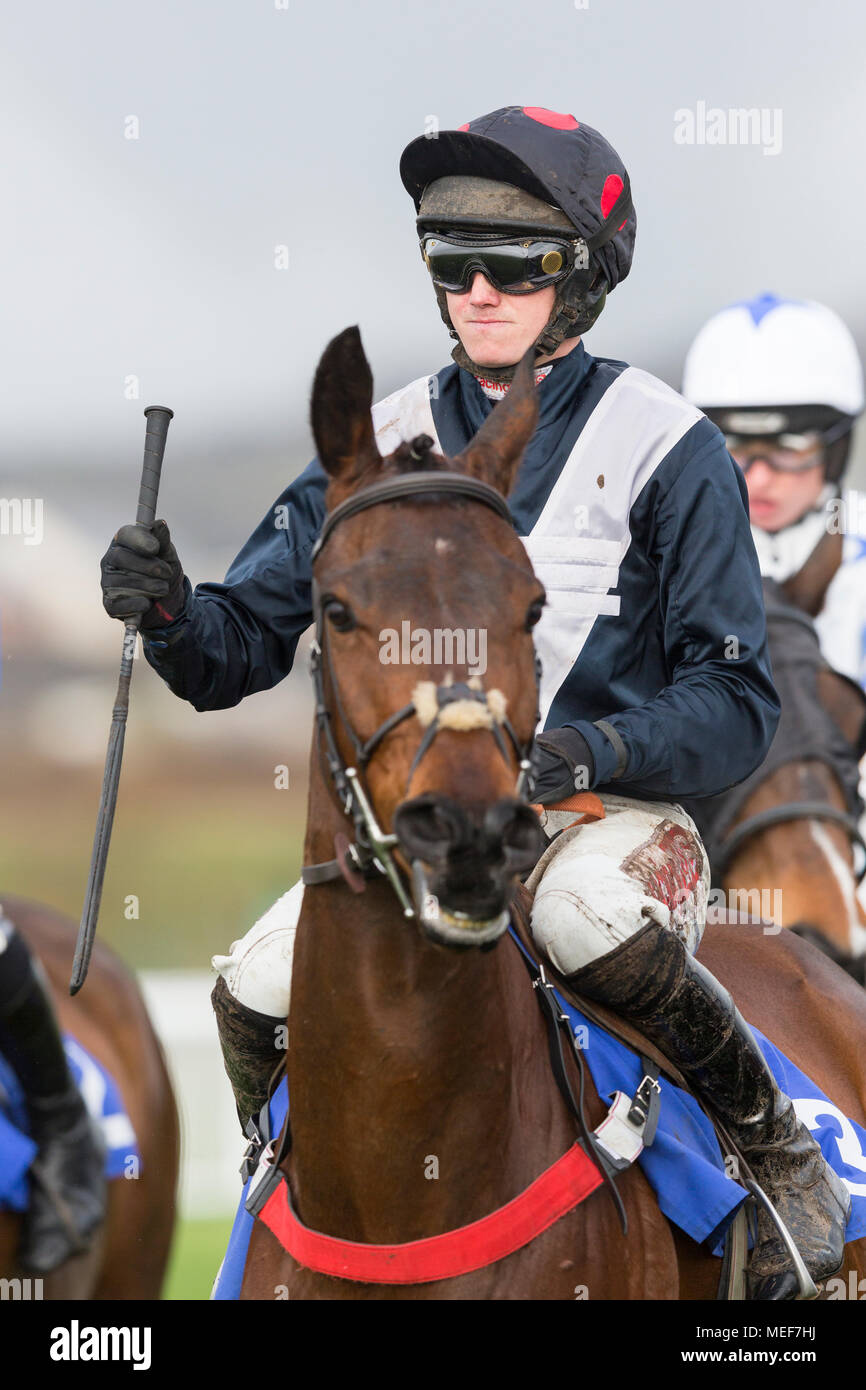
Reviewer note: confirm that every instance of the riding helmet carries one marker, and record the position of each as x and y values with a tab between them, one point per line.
534	169
771	366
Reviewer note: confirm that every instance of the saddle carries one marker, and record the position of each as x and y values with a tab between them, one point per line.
599	1013
732	1282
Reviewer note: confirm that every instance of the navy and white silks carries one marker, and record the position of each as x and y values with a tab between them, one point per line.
636	521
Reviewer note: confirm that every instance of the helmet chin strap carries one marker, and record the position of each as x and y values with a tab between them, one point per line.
498	374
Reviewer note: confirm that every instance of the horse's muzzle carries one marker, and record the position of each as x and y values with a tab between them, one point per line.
465	862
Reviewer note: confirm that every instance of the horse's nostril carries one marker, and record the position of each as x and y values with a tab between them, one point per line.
430	827
513	824
438	830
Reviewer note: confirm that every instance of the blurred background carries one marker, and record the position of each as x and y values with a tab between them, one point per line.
196	199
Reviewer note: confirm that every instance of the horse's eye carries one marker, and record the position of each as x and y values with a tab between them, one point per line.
339	615
534	613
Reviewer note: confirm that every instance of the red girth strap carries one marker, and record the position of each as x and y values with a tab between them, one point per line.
558	1190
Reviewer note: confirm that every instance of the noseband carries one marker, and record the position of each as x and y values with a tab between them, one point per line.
434	705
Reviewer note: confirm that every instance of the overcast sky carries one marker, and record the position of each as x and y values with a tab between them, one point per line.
262	124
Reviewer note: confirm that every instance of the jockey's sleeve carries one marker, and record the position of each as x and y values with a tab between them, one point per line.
239	637
713	723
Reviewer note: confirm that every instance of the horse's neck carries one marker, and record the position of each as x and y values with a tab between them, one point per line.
410	1066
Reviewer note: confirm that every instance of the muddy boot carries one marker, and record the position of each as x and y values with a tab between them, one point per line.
67	1182
67	1177
251	1048
653	982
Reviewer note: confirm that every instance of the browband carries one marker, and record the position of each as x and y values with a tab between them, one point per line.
413	485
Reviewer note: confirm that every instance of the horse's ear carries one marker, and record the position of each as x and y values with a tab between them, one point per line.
340	409
494	455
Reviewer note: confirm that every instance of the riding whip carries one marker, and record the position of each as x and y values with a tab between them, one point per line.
154	447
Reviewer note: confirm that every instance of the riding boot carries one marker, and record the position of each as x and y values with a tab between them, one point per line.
656	984
68	1195
251	1049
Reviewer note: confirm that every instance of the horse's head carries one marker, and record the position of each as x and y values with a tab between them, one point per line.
426	603
792	827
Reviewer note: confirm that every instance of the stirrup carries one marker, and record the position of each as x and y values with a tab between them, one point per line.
805	1283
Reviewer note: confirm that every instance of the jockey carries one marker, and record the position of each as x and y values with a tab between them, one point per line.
783	381
67	1177
635	519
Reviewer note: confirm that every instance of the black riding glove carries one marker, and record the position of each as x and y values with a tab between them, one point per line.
142	574
563	764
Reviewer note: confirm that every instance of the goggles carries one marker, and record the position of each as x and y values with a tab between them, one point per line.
513	265
781	458
784	453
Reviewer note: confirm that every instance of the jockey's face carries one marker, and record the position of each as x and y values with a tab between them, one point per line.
777	500
495	328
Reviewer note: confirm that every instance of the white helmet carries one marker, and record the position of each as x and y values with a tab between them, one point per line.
770	351
769	366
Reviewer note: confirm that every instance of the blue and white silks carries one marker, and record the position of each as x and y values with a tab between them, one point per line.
100	1094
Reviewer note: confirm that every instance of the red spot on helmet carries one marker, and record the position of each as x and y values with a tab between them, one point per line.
610	193
463	127
556	119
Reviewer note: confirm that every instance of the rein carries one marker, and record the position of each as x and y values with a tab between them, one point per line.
371	851
781	815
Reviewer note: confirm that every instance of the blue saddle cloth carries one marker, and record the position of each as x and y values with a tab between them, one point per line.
100	1094
684	1164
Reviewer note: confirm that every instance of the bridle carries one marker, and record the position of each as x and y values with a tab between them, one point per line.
734	839
371	851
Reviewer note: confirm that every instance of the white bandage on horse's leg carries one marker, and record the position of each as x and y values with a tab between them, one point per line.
258	972
605	880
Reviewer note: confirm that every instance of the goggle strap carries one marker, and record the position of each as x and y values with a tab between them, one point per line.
837	431
621	208
831	435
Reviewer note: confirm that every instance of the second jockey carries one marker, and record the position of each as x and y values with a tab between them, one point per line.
782	379
635	519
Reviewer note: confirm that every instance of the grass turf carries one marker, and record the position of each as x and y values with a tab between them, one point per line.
196	1256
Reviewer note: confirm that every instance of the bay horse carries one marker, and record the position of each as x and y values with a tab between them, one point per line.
421	1091
789	835
129	1255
